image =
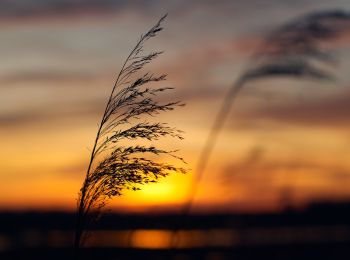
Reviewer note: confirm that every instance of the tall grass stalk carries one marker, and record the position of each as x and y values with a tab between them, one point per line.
114	167
294	50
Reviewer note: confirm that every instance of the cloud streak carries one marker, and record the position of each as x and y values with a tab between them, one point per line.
332	111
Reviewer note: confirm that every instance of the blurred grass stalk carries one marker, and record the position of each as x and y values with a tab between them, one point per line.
293	50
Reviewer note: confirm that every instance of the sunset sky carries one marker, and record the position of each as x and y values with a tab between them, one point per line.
286	141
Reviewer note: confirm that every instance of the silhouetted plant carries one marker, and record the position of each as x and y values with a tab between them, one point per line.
294	50
114	167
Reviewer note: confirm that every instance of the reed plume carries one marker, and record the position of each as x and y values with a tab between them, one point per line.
114	167
294	50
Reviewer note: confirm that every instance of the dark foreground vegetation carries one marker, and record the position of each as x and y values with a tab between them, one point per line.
320	232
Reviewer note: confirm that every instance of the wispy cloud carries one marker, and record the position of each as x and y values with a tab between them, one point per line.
331	112
23	77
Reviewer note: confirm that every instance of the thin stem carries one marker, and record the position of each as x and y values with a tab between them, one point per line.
82	207
80	222
209	144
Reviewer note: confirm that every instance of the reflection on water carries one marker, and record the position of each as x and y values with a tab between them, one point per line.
151	239
162	238
206	238
5	243
321	231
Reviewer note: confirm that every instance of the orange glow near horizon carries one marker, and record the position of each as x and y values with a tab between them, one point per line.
286	142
